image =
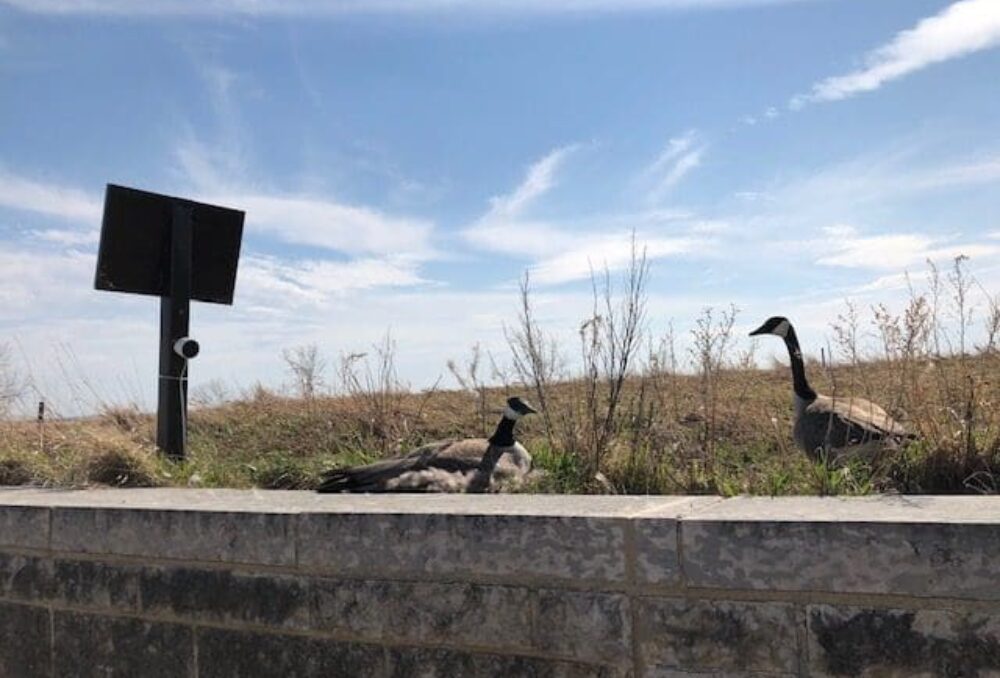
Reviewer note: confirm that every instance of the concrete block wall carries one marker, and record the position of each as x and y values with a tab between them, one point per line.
224	583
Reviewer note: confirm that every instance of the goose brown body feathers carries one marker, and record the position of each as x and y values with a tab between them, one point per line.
841	425
452	465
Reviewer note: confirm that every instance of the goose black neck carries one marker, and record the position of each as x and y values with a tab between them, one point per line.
504	435
799	382
484	474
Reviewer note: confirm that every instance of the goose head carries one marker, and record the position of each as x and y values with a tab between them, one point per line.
517	408
776	325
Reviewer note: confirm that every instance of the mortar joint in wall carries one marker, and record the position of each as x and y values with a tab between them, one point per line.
48	537
194	650
52	641
386	641
631	583
681	572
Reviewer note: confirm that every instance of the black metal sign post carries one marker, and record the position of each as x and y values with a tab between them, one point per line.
178	250
171	411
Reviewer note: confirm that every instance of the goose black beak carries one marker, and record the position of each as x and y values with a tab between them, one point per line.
759	330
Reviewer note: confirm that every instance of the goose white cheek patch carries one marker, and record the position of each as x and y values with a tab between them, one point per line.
782	329
511	413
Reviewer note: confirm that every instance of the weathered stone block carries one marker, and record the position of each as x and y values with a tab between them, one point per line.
24	642
656	539
656	558
591	627
264	538
72	582
24	526
851	641
95	584
225	596
25	577
115	647
486	616
439	663
921	546
483	547
703	635
236	654
942	560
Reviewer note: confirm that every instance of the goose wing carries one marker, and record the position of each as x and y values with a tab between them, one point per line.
838	423
440	466
861	413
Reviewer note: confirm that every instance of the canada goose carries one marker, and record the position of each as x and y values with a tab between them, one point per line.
455	465
828	427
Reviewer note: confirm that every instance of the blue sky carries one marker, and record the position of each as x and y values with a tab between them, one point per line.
403	163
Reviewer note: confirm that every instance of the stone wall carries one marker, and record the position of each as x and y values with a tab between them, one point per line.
221	584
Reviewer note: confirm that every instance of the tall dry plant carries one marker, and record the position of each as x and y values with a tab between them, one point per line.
469	377
711	339
961	283
585	423
663	370
371	382
534	356
307	367
991	324
11	384
610	340
848	344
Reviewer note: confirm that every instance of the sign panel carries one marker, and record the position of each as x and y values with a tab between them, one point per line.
134	254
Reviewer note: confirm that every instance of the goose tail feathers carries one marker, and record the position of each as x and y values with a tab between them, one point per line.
371	478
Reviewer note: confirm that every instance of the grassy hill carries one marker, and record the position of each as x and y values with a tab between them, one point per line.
672	433
629	416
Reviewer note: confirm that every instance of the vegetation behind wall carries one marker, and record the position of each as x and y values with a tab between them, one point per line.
623	411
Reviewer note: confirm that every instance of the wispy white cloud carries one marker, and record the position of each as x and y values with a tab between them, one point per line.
69	237
561	252
294	218
326	223
41	284
337	7
845	246
961	28
519	238
538	180
276	285
679	157
51	199
569	250
299	217
612	252
968	173
503	228
847	190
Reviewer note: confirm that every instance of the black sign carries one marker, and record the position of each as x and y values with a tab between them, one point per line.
134	254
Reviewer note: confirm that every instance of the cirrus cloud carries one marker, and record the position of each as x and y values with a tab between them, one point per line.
960	29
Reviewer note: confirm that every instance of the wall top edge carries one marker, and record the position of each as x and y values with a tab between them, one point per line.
871	509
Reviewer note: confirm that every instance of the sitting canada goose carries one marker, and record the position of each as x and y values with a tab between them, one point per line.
456	465
827	427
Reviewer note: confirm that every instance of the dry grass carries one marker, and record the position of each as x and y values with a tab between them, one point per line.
630	414
670	438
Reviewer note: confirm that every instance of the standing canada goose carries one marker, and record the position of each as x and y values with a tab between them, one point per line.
828	427
455	465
